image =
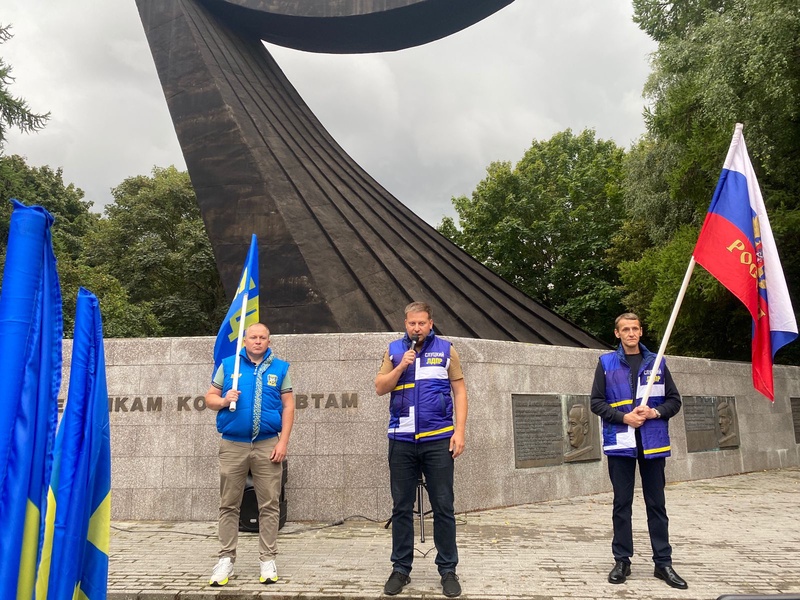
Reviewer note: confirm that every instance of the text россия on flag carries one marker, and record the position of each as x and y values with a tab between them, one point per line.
736	246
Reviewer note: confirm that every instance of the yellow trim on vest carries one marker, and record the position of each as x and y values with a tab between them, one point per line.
438	431
621	403
657	450
403	386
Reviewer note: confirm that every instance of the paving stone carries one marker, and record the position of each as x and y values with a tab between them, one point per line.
730	535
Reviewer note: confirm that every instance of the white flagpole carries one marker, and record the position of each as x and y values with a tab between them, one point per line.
668	331
239	338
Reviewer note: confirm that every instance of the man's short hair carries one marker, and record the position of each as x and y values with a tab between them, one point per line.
264	325
419	307
628	316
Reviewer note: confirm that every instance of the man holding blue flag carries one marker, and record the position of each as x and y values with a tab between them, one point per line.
255	437
243	311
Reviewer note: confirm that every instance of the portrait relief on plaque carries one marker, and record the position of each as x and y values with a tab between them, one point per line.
581	431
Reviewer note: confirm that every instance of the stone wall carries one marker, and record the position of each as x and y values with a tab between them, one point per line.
164	441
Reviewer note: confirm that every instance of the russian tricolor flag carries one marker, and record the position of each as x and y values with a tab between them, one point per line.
736	246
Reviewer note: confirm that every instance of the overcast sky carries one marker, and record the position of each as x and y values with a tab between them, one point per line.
424	122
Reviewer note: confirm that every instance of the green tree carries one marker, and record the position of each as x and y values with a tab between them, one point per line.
14	111
718	63
153	240
711	323
46	187
649	200
545	225
121	318
741	65
661	20
73	224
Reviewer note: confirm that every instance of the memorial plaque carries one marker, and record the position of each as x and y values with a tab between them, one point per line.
700	418
581	442
796	418
538	430
711	423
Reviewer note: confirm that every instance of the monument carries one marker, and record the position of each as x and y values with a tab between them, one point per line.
339	261
339	254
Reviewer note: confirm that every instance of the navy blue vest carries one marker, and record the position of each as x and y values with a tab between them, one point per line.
620	439
421	405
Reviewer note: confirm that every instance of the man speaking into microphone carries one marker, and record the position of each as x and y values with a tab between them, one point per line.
427	424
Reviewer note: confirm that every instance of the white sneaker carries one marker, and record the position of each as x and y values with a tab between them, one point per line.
222	571
269	572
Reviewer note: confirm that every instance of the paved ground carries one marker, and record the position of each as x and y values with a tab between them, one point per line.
731	535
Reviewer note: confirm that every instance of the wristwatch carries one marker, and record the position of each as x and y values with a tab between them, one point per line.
658	413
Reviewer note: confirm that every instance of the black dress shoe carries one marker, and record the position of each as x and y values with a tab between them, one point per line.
669	575
620	572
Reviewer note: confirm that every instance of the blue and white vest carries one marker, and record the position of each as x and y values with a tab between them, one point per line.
421	404
237	426
620	439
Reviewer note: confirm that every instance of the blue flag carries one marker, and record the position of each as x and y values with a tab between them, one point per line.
225	345
75	550
31	333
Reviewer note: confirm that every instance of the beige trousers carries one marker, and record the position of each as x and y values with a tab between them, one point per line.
235	459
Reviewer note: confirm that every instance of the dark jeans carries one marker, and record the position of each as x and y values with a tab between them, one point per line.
622	471
407	460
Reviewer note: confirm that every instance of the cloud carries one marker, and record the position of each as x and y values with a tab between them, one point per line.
424	122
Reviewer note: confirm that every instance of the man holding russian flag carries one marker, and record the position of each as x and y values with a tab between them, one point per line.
736	246
636	435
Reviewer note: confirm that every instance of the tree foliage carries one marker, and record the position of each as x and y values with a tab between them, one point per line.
153	240
72	226
712	322
46	187
545	224
14	111
662	20
742	65
718	63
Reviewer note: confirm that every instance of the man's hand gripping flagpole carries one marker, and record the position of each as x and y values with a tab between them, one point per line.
238	358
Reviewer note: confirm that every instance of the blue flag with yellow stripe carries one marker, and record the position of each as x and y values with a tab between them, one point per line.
225	345
31	332
74	562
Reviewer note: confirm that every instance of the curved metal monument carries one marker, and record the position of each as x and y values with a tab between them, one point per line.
338	253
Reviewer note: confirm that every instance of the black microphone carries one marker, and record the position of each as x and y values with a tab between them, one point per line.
413	339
